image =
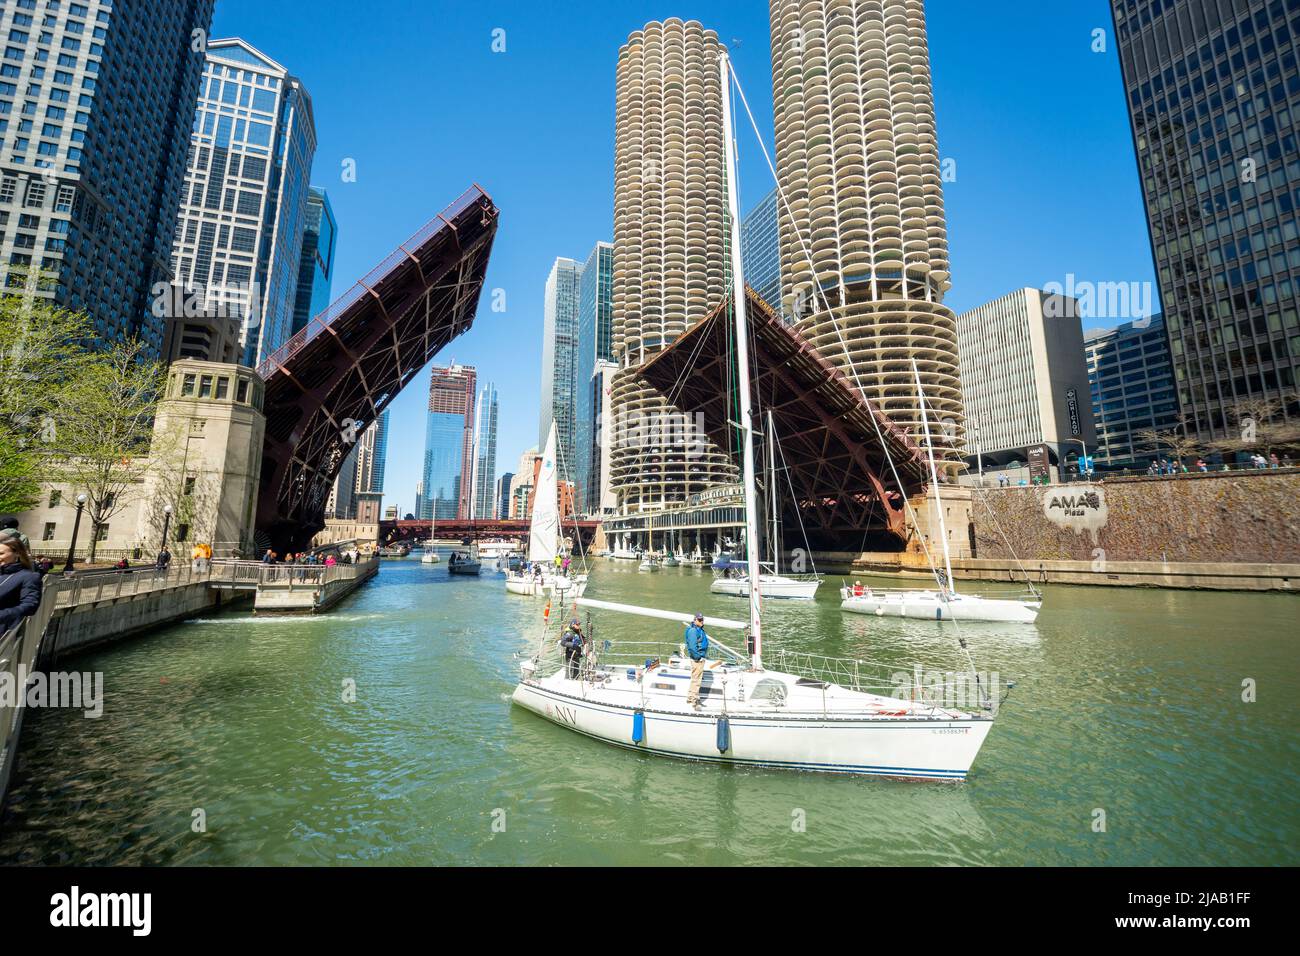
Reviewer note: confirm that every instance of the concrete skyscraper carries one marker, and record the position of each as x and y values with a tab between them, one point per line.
1211	91
449	442
560	358
238	241
96	102
670	266
864	247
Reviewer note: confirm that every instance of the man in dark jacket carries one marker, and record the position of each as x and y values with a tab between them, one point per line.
572	642
20	584
697	648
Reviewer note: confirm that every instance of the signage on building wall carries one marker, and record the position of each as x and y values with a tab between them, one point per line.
1072	403
1077	507
1040	463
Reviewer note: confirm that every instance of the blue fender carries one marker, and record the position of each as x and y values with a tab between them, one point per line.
638	727
724	735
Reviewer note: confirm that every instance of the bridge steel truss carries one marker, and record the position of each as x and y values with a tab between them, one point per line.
336	375
843	485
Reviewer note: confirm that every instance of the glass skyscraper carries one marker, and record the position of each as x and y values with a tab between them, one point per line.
94	99
760	250
244	206
1132	385
316	264
483	502
448	443
560	359
1213	95
595	344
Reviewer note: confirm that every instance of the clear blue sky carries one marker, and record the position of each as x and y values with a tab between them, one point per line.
411	90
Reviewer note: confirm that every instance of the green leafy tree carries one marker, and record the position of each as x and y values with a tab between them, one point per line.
104	430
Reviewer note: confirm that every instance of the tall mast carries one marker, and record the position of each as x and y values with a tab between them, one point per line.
742	373
934	480
771	476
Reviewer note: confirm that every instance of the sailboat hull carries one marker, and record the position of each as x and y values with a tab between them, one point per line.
911	748
931	606
560	587
772	587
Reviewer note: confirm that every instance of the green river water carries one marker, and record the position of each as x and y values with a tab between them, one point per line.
1127	702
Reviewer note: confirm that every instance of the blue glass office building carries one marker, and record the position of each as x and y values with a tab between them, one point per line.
595	343
244	205
316	265
1213	92
1132	384
760	251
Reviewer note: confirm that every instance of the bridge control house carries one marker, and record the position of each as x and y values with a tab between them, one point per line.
204	463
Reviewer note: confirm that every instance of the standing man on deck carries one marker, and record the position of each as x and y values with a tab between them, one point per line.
697	646
572	642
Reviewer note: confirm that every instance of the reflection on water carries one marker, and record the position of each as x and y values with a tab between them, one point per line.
1127	701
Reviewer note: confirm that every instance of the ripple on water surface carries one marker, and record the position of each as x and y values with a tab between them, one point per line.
1126	701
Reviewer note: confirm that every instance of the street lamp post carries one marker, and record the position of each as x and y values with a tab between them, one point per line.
1082	445
167	521
76	526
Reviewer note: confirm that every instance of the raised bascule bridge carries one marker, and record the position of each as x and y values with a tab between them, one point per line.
838	458
338	374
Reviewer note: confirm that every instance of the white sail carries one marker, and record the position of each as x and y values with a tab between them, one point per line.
544	532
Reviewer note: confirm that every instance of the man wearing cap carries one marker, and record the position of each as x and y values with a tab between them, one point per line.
697	646
572	642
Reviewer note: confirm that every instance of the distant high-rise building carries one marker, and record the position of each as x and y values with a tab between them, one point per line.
760	250
316	264
503	495
595	344
1026	380
560	355
1132	383
483	502
670	250
601	499
94	99
521	485
449	443
864	245
361	477
1212	96
238	241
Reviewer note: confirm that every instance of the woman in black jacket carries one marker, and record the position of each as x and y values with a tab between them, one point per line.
20	584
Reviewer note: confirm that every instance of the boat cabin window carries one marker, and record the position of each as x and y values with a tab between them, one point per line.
769	688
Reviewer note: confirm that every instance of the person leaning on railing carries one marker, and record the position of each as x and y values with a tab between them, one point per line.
20	583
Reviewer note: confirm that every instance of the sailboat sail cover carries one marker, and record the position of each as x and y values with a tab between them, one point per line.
544	532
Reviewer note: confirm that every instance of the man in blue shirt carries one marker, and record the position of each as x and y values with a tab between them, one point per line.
697	646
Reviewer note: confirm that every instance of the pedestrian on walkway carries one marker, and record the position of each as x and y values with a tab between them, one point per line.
10	527
20	584
164	559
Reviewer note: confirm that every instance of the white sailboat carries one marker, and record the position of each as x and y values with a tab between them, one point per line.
943	603
544	538
773	583
827	720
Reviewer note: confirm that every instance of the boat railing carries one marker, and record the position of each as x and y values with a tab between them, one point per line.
938	689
